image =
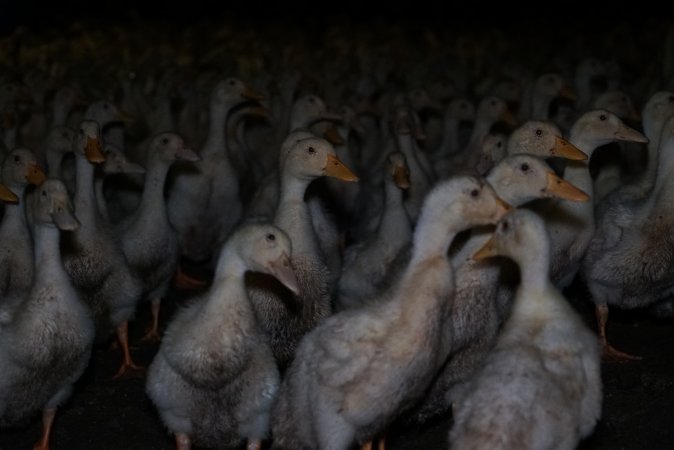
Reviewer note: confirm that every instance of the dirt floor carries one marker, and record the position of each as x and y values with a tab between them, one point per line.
107	414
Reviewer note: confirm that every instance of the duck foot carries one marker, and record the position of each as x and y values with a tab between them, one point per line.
129	370
611	354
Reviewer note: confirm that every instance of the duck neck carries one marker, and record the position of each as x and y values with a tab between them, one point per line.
450	137
85	194
54	161
394	223
47	252
534	269
217	130
292	214
15	215
228	281
432	237
153	188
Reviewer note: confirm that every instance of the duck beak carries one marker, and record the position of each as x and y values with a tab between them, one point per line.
125	116
94	151
185	154
502	208
401	177
629	134
336	168
564	149
7	196
282	270
488	250
249	93
333	136
559	187
62	216
567	93
509	118
35	175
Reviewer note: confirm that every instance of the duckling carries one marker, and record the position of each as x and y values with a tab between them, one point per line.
540	386
19	171
361	368
92	256
285	317
47	337
214	378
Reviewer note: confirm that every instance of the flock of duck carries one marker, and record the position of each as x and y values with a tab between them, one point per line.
385	228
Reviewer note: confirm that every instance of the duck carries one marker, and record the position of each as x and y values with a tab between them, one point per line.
628	262
571	225
19	171
149	241
199	193
46	336
458	111
540	386
92	256
481	301
116	162
303	158
214	379
366	262
621	168
360	368
490	111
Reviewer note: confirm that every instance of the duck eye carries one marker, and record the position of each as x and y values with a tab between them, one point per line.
165	141
44	193
232	82
311	150
81	131
492	103
524	167
602	117
474	192
505	226
499	144
271	237
312	100
539	132
17	159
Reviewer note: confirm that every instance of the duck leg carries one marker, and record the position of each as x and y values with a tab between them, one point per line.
609	353
254	444
47	421
381	444
127	363
183	441
152	333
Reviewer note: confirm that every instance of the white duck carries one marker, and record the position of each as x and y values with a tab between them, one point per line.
214	378
629	262
204	203
366	262
303	158
480	306
149	241
571	225
92	256
540	387
46	339
361	368
19	171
